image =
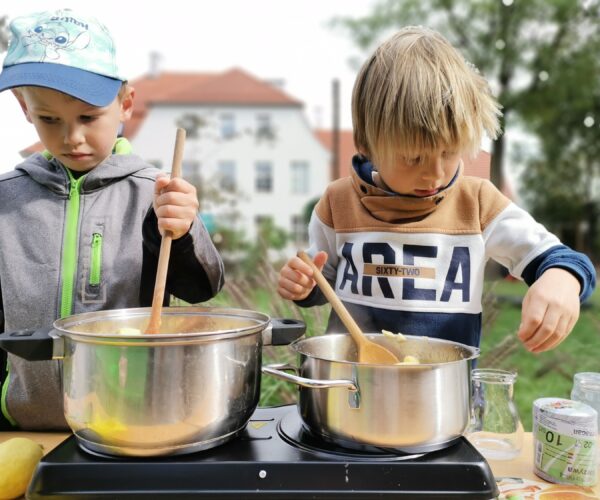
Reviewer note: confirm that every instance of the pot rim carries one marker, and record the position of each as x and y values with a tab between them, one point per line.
474	351
64	326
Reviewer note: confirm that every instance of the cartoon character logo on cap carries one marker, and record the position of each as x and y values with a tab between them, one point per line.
56	34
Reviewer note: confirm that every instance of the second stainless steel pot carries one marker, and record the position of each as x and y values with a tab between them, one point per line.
167	393
410	408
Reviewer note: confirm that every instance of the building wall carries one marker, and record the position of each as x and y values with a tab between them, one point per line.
293	141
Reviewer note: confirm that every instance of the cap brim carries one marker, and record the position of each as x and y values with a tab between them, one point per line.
92	88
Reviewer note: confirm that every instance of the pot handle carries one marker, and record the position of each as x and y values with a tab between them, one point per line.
33	345
283	331
277	371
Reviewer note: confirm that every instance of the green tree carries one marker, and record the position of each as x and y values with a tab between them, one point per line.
562	182
521	46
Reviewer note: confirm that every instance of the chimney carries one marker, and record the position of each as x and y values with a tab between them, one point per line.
335	130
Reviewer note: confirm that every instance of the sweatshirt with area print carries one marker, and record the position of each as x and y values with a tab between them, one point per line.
416	265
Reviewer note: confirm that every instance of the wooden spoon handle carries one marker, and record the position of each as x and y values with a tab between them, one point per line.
165	245
334	300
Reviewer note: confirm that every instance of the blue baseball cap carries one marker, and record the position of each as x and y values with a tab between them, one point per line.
64	51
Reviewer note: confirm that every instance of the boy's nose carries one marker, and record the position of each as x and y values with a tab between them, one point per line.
434	168
73	135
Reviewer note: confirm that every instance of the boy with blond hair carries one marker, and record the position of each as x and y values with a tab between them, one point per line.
85	217
404	239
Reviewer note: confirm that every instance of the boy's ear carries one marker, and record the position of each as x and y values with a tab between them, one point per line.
127	103
22	103
363	153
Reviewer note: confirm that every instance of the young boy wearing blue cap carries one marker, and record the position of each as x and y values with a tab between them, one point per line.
85	216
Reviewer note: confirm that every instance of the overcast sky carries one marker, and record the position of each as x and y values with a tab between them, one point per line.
272	39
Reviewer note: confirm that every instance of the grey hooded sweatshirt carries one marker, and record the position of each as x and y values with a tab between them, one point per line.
69	246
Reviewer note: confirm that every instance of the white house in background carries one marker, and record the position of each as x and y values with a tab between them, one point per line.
247	140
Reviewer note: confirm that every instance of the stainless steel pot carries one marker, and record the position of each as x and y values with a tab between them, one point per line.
410	408
170	393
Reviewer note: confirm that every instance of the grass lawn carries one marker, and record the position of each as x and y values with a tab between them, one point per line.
545	375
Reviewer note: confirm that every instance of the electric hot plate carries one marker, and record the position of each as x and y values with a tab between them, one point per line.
275	457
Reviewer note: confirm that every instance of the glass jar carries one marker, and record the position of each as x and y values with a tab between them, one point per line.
586	389
495	428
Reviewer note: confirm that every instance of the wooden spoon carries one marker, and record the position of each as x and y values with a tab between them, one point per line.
368	351
165	246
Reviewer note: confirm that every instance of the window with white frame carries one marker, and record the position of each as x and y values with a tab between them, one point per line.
264	177
264	126
227	125
299	177
226	175
299	230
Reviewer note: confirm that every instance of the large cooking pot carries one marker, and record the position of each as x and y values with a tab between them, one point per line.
169	393
410	408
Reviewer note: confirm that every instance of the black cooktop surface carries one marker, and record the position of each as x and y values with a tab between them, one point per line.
275	457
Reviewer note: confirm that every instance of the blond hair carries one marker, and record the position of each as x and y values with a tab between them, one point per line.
416	94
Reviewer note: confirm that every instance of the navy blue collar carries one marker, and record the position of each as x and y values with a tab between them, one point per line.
364	169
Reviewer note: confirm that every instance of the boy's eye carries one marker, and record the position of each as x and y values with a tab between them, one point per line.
87	118
415	160
48	119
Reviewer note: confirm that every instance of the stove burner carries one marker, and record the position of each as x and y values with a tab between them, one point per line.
293	431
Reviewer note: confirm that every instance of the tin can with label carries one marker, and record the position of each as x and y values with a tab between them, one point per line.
565	435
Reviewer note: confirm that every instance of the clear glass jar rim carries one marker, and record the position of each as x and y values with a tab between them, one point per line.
588	380
493	375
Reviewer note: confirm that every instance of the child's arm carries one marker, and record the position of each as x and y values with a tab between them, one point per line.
295	278
195	270
550	310
175	204
559	278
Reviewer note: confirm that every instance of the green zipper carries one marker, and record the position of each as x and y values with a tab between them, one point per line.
96	260
70	243
3	406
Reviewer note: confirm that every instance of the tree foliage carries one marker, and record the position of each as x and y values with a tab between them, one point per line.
562	184
541	58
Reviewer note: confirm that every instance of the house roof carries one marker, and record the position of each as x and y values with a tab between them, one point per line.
478	166
234	87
